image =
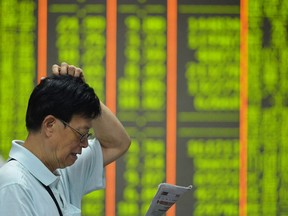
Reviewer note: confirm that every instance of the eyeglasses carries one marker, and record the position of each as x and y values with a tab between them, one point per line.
83	137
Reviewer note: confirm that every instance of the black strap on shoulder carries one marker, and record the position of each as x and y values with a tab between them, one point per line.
50	193
53	197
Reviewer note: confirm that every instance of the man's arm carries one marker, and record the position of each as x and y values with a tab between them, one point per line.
108	129
111	134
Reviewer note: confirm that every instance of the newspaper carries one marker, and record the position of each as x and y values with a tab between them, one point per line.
165	197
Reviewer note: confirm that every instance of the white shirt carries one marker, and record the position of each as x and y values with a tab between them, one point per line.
21	192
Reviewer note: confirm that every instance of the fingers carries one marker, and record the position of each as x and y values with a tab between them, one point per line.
71	70
78	72
55	69
63	68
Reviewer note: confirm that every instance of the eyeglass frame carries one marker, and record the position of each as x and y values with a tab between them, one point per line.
83	137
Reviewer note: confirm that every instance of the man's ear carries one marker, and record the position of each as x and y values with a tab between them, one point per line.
48	124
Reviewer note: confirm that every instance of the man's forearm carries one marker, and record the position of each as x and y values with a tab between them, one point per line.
111	134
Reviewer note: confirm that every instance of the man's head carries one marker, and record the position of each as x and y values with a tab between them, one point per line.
63	97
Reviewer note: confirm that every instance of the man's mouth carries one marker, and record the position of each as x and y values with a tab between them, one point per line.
74	155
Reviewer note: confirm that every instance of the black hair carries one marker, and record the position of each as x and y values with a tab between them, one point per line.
61	96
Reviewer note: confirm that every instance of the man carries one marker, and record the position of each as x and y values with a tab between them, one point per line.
57	164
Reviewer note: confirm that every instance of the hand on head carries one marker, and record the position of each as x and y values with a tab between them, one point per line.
67	69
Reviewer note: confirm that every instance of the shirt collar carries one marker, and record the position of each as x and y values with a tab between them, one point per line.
32	163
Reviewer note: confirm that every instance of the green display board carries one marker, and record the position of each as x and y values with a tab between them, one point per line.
18	25
208	107
141	102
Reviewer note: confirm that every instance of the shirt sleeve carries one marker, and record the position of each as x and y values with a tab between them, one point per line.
16	201
87	174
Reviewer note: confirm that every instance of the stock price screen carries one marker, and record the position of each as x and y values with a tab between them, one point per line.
201	87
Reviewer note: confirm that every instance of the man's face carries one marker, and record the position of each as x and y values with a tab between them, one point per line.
66	141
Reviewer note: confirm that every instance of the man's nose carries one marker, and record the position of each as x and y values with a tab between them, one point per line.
84	143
